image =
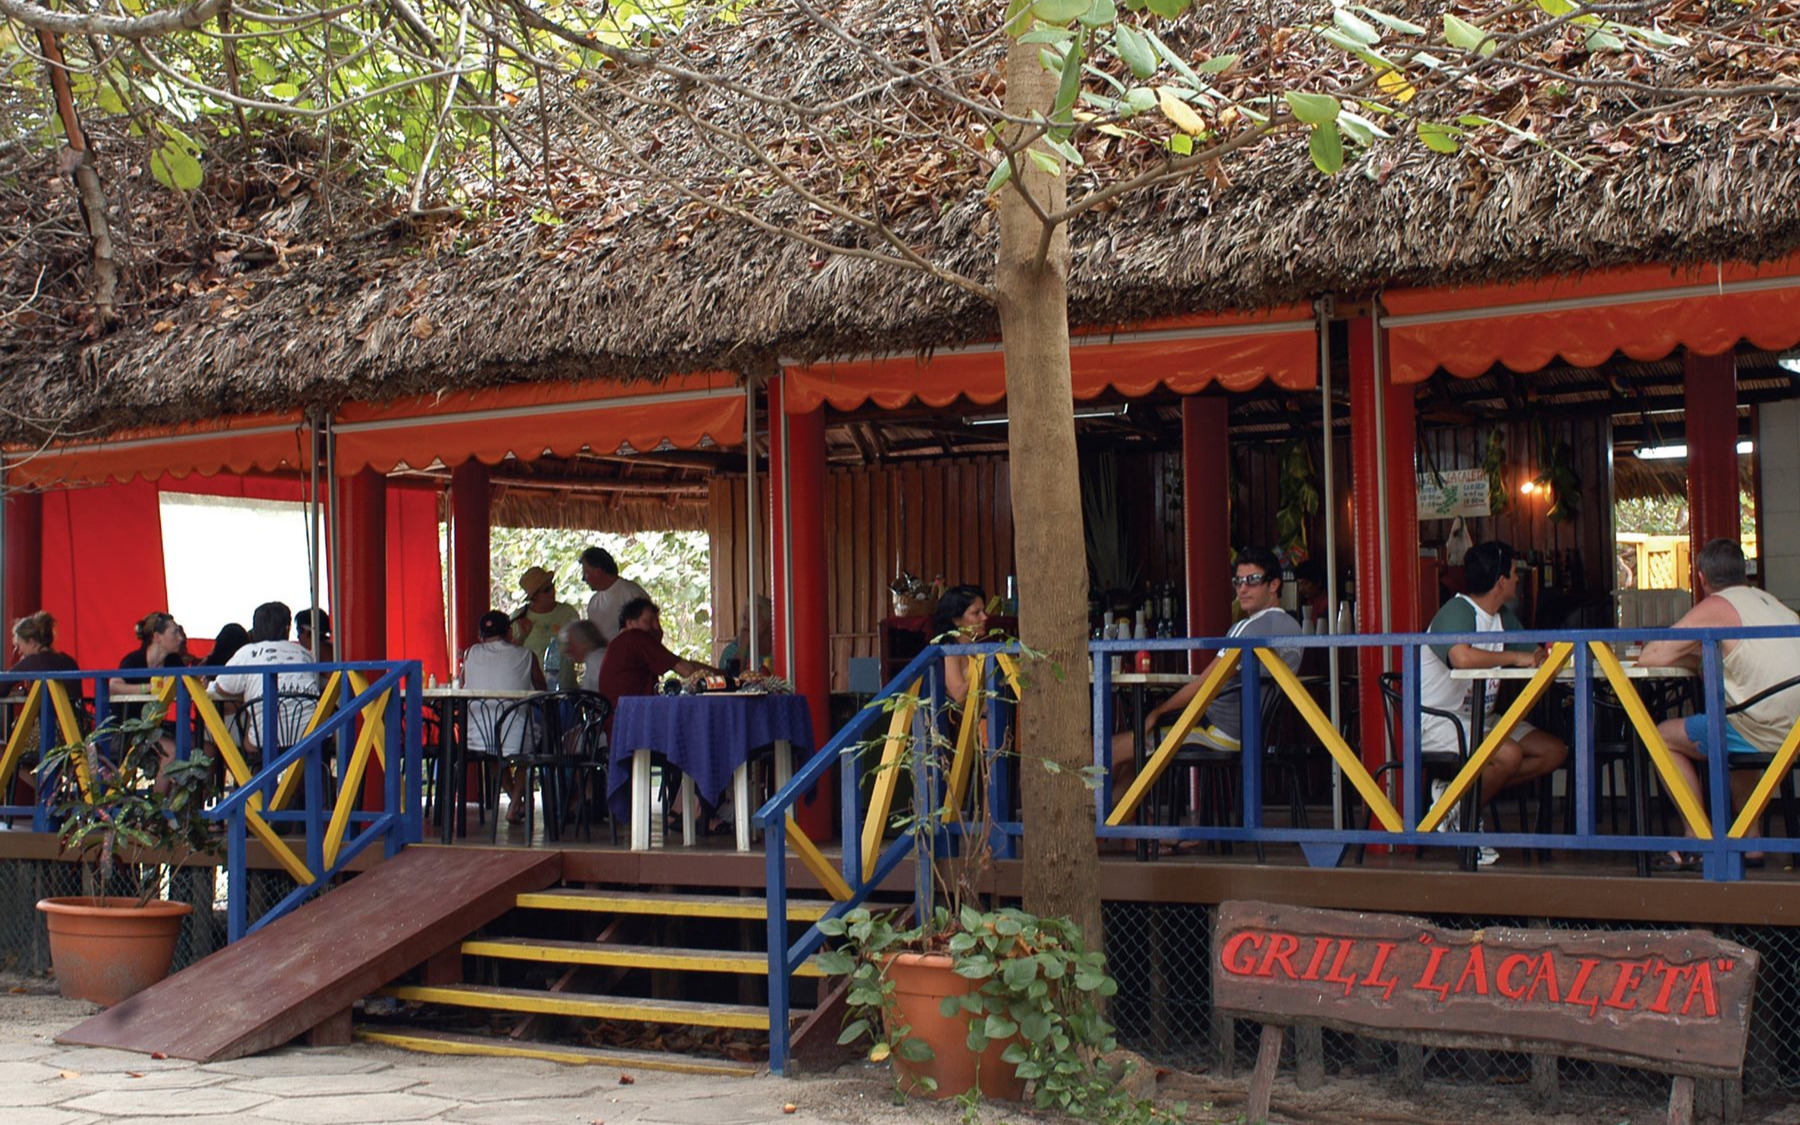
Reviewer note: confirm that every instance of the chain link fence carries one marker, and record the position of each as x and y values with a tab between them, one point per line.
24	945
1161	954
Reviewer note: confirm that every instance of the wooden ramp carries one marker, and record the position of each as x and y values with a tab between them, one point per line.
310	966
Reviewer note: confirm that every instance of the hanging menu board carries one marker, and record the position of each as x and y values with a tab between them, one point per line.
1459	492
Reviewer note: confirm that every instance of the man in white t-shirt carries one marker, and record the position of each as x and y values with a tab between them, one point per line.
611	592
1257	583
269	645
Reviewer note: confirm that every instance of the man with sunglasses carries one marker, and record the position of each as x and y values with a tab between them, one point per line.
1492	583
1257	584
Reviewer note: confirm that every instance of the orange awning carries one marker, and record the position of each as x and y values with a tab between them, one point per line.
530	420
265	442
1647	312
1237	351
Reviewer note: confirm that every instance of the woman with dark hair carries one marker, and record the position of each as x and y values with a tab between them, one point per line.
497	663
160	641
34	639
231	638
960	619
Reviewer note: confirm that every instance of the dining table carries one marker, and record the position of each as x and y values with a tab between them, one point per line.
710	738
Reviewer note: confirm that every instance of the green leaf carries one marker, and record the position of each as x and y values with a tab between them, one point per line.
1167	9
1046	163
1035	1027
1100	14
1357	29
1066	150
1060	11
835	963
1556	8
1070	85
853	1030
284	91
950	1006
174	167
1462	33
1440	138
1601	39
1218	64
997	178
1313	109
999	1027
1137	55
1404	27
109	99
1047	35
1327	148
1181	144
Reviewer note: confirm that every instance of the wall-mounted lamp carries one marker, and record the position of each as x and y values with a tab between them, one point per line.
1528	488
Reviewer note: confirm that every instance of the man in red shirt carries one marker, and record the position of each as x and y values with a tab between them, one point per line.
636	659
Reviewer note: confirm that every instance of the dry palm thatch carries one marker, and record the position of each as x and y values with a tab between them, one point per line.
636	260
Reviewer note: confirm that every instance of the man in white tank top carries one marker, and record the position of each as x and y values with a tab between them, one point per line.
1750	666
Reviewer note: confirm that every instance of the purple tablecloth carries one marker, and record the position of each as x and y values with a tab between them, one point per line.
707	737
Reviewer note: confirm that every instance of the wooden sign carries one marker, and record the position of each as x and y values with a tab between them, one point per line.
1678	1002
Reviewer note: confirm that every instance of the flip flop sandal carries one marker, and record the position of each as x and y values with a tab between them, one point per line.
1677	862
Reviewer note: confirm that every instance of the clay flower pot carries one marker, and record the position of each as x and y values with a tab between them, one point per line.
921	982
107	949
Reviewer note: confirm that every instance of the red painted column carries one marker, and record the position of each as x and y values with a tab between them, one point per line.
24	561
1380	610
1710	396
778	520
361	626
469	552
811	658
1206	516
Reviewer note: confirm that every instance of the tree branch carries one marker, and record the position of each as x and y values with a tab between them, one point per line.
191	17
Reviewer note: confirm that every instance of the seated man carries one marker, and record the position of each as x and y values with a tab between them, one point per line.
581	645
1529	753
1258	586
269	645
1749	666
636	659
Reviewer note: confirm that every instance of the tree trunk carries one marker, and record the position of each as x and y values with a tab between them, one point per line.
1061	862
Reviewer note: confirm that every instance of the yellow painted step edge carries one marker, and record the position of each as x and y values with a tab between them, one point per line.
608	1008
676	1064
692	960
674	906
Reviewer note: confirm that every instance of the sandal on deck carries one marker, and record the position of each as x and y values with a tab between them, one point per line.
1674	861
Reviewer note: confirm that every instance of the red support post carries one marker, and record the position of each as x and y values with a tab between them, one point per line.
781	659
361	632
1393	606
1206	516
1710	396
469	552
810	661
24	561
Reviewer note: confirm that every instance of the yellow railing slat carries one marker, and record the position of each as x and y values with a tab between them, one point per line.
350	787
968	742
887	775
1354	770
815	862
15	743
1685	798
295	776
1759	797
71	732
1222	669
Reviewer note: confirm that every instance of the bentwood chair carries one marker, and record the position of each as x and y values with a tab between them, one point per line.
1443	764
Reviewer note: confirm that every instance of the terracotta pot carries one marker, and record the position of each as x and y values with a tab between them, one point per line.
921	982
107	949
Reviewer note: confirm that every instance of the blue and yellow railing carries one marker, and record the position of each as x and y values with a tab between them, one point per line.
367	712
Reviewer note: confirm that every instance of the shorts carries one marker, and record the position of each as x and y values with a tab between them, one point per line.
1735	743
1436	736
1209	737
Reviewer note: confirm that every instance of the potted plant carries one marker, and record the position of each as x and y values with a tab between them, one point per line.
978	999
128	812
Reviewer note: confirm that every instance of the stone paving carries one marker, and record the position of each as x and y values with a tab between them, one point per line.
44	1083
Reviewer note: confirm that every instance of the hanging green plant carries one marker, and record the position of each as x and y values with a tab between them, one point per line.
1557	473
1299	495
1493	464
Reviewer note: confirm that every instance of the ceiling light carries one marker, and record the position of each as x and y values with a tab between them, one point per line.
1677	452
1789	362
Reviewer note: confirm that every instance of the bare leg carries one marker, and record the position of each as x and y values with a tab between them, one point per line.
1124	761
1540	752
1685	753
1501	770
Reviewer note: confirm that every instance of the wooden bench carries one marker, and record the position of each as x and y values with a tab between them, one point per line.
1675	1002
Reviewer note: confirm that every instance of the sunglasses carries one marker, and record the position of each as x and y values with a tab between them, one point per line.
1239	581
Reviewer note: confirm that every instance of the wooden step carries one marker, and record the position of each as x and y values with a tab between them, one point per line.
452	1043
538	1002
628	956
668	905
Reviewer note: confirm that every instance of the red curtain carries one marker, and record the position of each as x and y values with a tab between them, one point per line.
415	598
103	568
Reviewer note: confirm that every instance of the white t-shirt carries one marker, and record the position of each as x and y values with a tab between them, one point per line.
295	714
590	672
1437	689
603	610
495	665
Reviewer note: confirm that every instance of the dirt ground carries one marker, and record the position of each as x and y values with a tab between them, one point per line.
861	1094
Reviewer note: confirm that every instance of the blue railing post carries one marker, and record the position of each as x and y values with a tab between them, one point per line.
999	772
1411	765
1103	724
780	979
413	735
237	872
314	768
1250	736
850	811
925	797
1718	861
1584	788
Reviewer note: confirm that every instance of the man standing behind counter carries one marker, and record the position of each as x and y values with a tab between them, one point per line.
612	592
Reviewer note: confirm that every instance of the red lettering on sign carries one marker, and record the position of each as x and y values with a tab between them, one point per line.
1630	974
1701	986
1238	944
1544	978
1382	951
1475	970
1588	965
1321	946
1282	948
1503	977
1337	975
1425	982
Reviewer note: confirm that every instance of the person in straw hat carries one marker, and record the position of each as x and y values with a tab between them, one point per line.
535	625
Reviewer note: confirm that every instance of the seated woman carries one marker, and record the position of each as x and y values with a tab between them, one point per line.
495	663
960	619
34	639
734	659
160	642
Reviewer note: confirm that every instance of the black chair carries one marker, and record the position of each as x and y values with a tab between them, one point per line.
1757	763
293	711
1441	763
544	735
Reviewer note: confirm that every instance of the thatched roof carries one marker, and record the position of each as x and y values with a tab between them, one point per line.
635	279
